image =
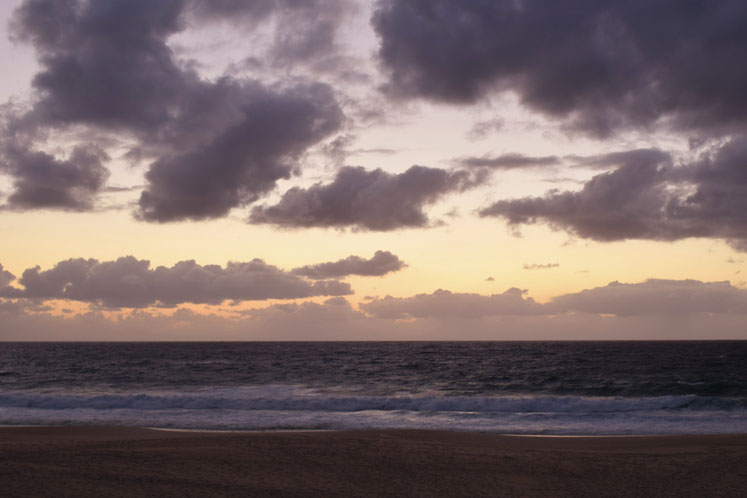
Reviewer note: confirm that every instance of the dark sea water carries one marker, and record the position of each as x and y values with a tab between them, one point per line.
507	387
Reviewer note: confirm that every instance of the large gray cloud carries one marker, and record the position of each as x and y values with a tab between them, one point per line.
245	160
600	63
625	203
129	282
214	145
370	200
380	264
647	197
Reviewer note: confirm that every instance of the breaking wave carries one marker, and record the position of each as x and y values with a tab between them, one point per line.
280	399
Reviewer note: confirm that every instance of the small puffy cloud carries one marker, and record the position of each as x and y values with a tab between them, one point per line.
654	296
482	129
446	304
540	266
380	264
600	65
369	200
129	282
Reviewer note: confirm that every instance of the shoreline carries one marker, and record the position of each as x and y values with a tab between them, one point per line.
353	431
126	461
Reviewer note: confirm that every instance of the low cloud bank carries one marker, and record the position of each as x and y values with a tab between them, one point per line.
652	297
129	282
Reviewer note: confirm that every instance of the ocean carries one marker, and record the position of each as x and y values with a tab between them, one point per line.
554	388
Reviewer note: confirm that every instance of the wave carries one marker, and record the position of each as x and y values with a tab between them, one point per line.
288	400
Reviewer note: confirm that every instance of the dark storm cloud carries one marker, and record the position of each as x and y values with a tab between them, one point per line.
104	63
508	161
602	64
129	282
647	197
675	297
370	200
380	264
214	144
42	181
446	304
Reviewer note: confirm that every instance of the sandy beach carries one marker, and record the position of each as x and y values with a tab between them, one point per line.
117	461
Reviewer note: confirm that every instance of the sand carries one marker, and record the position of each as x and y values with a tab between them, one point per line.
116	461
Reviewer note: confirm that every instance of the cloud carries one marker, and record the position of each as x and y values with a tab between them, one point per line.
380	264
6	277
370	200
244	161
305	31
508	161
482	129
446	304
626	203
646	310
651	297
647	197
536	266
42	181
129	282
106	66
602	65
654	296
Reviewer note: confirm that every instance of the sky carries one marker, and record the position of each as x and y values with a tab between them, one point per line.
373	170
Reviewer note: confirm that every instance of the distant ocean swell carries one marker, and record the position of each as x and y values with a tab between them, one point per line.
289	407
519	388
241	400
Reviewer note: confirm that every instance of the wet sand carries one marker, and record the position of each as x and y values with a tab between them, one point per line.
117	461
